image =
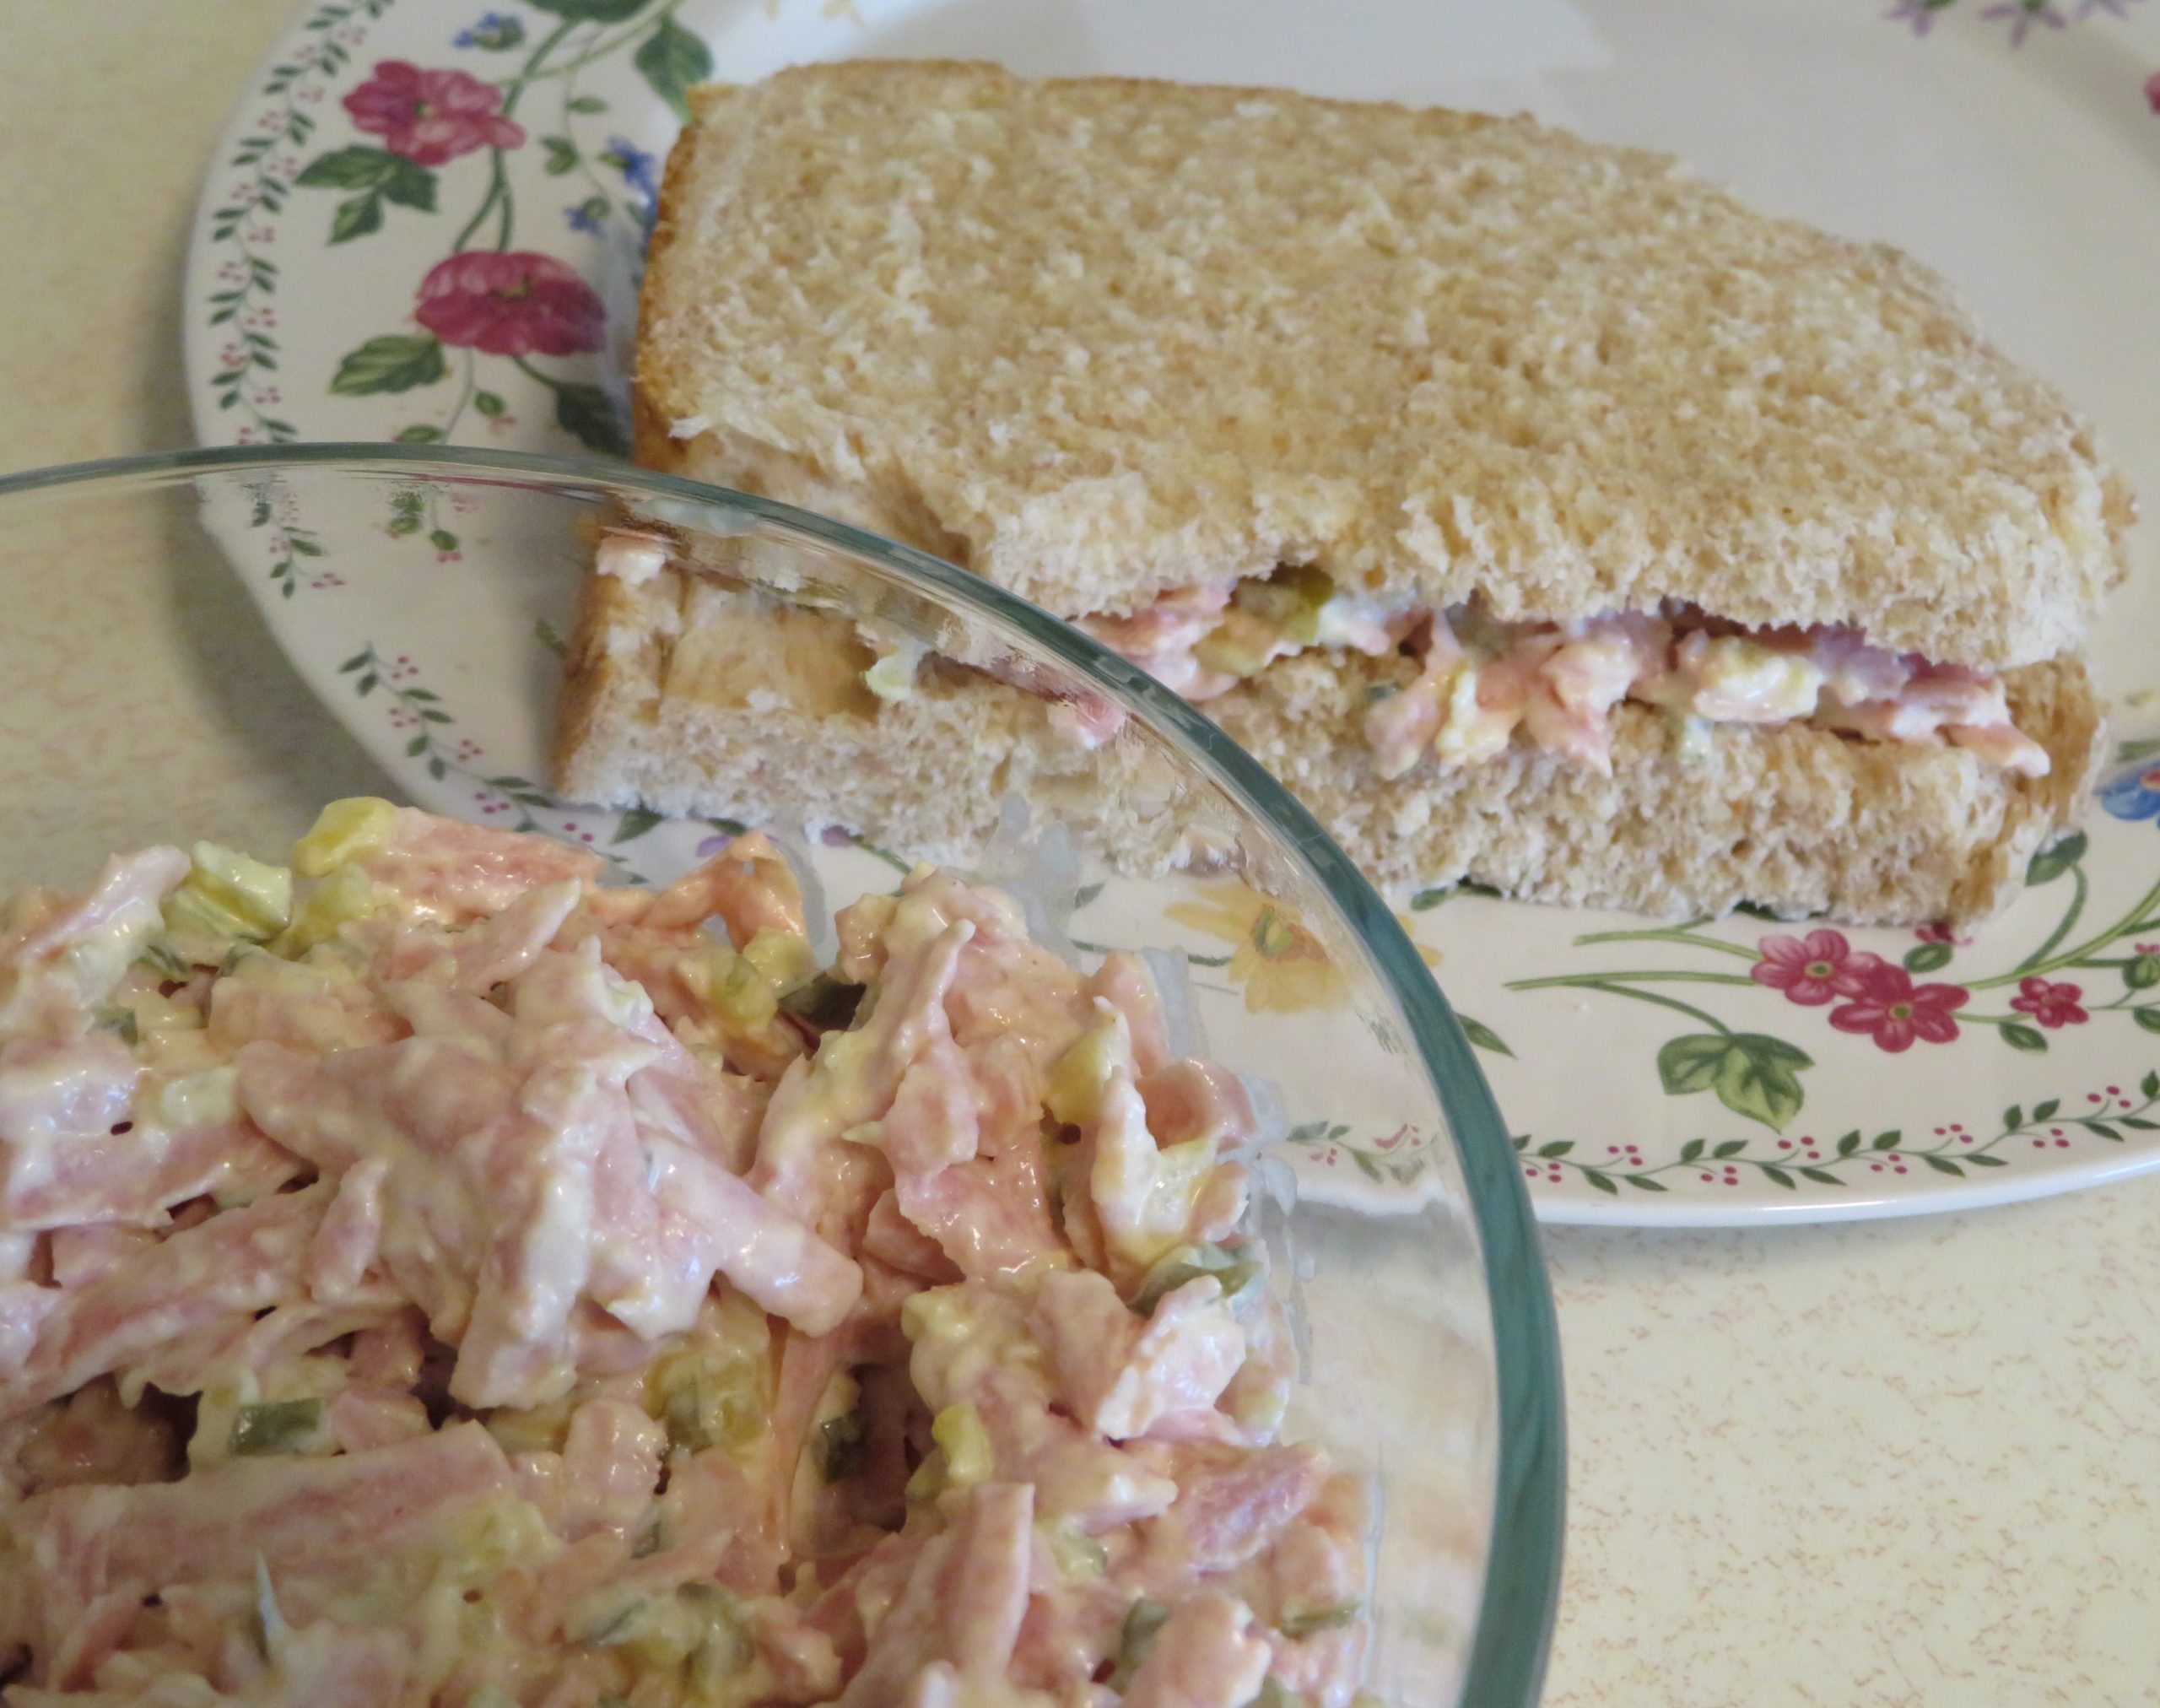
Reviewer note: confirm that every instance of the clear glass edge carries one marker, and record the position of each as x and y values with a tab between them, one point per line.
1522	1577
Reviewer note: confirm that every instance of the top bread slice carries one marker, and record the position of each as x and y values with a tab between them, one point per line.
1099	338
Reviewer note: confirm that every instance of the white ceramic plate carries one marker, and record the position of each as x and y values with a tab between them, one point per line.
424	224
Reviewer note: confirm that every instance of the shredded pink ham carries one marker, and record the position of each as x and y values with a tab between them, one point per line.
475	1306
1559	684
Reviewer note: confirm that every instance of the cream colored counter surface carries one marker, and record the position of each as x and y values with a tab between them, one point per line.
1907	1463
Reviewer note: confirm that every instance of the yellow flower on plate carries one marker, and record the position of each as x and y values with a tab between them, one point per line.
1278	959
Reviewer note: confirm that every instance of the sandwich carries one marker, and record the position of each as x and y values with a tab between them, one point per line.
1539	514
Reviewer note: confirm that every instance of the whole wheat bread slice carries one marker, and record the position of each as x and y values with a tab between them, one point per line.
1097	338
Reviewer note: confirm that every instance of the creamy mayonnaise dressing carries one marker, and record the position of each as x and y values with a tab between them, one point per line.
427	1277
1481	682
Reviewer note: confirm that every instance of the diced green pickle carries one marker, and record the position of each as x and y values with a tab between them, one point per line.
1143	1621
826	1002
276	1426
1236	1273
1288	602
841	1447
1302	1622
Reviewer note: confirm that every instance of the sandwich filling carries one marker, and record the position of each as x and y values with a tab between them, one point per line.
1480	681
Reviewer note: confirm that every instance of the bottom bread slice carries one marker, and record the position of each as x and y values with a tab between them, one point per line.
689	695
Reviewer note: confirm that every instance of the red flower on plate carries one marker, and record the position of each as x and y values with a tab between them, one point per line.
430	116
1812	969
2050	1004
517	304
1893	1010
2152	90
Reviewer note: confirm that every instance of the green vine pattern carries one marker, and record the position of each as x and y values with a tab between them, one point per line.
1843	1163
378	184
1758	1074
1396	1159
508	800
245	379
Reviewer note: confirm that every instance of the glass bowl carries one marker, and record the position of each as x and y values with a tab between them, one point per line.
425	596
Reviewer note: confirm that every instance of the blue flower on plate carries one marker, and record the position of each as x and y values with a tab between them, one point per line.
640	170
2133	792
497	30
588	216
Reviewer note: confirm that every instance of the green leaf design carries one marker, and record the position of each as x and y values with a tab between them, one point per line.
1885	1141
1691	1151
1730	1147
356	168
420	433
2128	750
1601	1183
1645	1182
1942	1164
584	413
1753	1075
2142	972
357	217
588	104
1483	1035
489	404
634	824
442	540
562	155
1848	1144
2103	1129
1983	1161
1759	1078
2044	1110
1820	1176
1928	957
2050	863
590	11
395	362
2024	1038
1425	901
2149	1085
1690	1063
2013	1118
1084	894
671	60
2147	1017
410	185
1558	1146
1779	1176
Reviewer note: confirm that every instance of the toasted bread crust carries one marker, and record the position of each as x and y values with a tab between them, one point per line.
1098	337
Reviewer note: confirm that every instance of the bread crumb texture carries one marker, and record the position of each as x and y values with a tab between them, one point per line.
1097	338
1786	816
694	697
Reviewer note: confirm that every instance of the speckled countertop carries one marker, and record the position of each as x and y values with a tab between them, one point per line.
1902	1462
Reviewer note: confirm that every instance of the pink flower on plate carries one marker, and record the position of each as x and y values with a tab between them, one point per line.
1942	931
1812	969
2152	90
430	116
515	303
2050	1004
1893	1011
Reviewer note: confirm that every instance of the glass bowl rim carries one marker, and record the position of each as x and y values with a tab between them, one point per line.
1516	1605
